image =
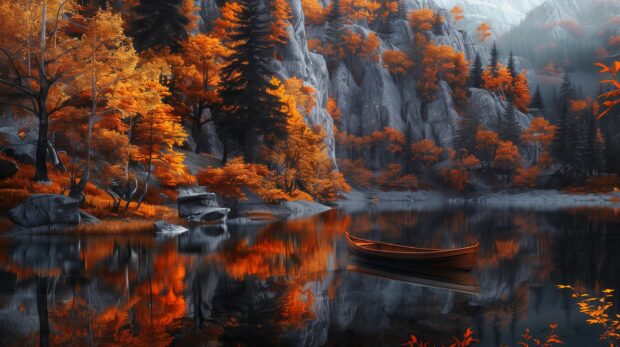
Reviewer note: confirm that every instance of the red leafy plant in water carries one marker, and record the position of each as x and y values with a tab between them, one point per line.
468	340
552	339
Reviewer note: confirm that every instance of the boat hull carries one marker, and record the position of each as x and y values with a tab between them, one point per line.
406	258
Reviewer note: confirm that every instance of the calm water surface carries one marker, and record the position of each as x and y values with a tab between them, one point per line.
293	283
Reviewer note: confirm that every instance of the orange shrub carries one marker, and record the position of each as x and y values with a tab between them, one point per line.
397	62
314	12
456	178
426	151
527	177
356	172
392	179
422	20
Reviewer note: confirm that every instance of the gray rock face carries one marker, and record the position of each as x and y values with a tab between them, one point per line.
7	168
46	209
197	205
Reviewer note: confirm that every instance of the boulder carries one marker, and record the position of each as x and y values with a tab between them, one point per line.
7	168
197	205
165	228
46	210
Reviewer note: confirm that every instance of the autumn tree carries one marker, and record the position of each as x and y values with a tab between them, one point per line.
198	72
387	16
392	179
300	159
539	135
422	19
281	16
357	10
36	59
314	12
487	142
249	111
457	14
426	152
443	63
362	45
159	24
507	158
397	62
484	32
106	58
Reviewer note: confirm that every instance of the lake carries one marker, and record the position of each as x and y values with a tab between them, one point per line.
292	283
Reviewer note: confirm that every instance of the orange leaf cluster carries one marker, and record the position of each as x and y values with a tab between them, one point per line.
484	32
397	62
356	172
281	13
426	151
422	19
357	10
392	179
503	84
443	62
457	13
314	12
364	46
612	98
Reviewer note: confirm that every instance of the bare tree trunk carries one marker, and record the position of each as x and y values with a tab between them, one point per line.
41	154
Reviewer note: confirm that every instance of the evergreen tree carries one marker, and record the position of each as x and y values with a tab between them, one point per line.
567	93
334	23
465	137
249	111
475	76
509	128
512	68
565	126
494	60
159	24
537	101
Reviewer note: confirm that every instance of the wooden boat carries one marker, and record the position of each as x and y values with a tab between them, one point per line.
457	258
448	279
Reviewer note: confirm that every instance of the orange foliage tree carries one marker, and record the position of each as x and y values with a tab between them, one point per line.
198	73
540	135
392	179
457	13
360	45
507	158
314	11
507	86
443	63
357	10
356	172
397	62
236	177
422	19
484	32
487	142
527	177
301	161
426	152
457	178
281	14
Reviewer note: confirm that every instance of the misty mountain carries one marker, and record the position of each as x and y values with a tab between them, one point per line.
502	15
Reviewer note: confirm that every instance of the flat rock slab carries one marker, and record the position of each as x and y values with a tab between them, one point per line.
46	209
165	228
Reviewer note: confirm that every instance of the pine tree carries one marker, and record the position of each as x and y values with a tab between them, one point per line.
565	126
567	93
334	23
512	68
509	128
249	111
465	137
537	102
494	60
159	24
475	76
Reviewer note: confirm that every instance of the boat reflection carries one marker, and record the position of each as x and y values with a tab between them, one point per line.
452	280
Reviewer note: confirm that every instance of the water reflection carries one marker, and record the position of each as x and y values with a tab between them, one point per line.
287	283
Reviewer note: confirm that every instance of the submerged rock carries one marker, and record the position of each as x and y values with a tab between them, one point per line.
165	228
46	210
197	205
